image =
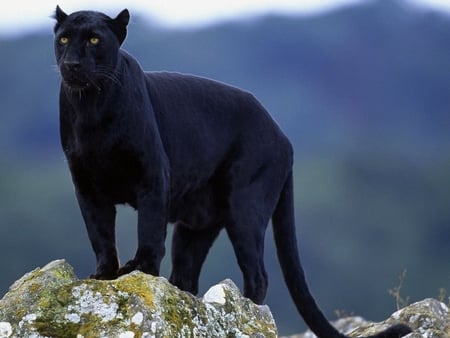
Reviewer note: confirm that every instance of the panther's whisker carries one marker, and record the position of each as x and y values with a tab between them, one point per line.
56	69
107	74
93	83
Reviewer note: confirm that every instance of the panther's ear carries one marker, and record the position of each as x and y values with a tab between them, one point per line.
120	25
123	17
60	16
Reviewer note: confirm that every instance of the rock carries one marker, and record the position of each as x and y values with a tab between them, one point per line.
428	319
344	325
53	302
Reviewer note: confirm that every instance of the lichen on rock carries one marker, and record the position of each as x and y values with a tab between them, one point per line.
53	302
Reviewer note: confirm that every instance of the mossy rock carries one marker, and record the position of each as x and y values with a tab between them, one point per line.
53	302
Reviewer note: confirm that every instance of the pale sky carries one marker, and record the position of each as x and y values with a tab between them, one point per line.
25	15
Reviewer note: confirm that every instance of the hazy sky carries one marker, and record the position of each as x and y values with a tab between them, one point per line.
22	15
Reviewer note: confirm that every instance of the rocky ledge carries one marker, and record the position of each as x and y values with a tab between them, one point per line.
52	302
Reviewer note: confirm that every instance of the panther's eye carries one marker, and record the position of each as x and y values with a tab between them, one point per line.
64	40
94	41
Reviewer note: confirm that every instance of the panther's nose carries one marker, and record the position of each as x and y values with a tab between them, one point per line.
72	65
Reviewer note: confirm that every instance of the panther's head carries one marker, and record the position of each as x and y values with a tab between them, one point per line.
87	45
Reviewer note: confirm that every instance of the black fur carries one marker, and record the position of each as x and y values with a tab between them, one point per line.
180	149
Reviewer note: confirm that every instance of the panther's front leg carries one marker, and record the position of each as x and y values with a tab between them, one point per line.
99	217
152	226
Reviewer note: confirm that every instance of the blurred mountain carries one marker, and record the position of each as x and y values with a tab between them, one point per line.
362	92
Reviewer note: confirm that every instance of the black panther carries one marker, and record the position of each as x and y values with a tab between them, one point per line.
179	149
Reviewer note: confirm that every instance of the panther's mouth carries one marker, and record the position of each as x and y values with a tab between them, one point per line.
75	82
77	85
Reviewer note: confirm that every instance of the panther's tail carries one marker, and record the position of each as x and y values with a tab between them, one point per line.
286	244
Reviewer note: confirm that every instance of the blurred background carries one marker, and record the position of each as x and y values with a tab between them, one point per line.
362	89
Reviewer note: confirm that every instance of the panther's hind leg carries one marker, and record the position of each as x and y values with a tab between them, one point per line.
250	210
253	194
247	238
189	250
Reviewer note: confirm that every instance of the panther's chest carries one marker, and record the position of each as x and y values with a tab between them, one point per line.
113	170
